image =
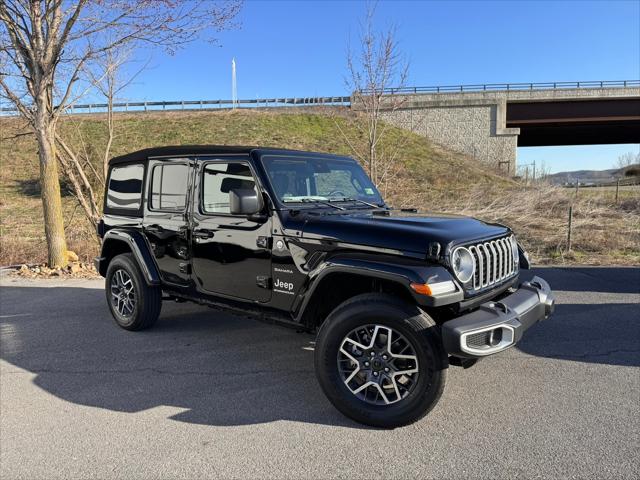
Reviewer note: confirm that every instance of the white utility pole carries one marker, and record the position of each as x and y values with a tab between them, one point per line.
234	88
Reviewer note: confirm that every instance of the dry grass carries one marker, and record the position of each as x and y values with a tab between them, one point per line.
603	233
428	177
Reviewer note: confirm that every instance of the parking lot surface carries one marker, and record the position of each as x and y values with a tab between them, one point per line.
212	395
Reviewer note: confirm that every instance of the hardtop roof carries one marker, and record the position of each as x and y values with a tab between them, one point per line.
187	150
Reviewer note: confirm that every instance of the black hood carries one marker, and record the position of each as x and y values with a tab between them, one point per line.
396	231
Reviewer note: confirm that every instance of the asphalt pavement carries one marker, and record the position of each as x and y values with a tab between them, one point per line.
212	395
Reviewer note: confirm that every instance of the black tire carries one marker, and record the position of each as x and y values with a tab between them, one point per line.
406	320
145	309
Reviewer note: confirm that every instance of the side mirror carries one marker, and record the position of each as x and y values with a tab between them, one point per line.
244	201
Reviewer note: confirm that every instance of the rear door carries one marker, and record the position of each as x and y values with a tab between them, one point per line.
231	253
166	217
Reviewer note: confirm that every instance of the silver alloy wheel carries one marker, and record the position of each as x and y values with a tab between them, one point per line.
378	364
123	295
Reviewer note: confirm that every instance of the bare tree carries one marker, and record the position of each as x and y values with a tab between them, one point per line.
46	48
110	80
376	67
628	159
78	167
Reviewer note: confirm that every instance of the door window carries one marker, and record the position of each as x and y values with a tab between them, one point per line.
169	185
218	180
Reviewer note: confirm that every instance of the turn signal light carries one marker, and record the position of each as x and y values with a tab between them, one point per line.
433	289
421	288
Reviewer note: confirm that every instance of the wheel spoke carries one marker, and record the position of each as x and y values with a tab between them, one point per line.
123	293
370	368
398	355
350	357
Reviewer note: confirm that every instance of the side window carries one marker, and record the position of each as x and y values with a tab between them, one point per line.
218	179
125	187
169	184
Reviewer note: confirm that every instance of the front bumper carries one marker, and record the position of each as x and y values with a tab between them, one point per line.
498	325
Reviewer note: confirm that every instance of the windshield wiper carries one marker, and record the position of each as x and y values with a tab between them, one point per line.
357	200
329	204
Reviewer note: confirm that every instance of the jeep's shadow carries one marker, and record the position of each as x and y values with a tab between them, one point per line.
605	333
589	279
603	328
226	370
221	369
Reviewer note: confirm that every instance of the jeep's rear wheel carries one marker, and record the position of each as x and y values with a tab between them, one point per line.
380	361
133	304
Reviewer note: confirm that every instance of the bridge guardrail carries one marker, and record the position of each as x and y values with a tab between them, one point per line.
330	101
515	86
205	104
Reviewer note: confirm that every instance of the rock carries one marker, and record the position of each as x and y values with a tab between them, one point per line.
36	270
74	268
56	273
72	256
23	269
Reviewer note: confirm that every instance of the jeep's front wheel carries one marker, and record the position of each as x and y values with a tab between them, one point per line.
380	361
133	304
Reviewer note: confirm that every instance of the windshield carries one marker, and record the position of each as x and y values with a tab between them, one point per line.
304	179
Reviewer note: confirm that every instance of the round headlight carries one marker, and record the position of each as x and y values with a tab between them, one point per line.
462	263
514	250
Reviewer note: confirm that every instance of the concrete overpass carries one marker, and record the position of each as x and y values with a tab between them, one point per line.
489	122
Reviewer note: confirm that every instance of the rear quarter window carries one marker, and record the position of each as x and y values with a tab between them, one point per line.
125	187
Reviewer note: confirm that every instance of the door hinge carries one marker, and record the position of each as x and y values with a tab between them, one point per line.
262	242
185	268
263	281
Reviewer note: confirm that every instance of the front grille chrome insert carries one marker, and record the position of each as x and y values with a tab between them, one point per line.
493	262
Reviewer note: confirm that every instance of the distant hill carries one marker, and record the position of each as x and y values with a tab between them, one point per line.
588	177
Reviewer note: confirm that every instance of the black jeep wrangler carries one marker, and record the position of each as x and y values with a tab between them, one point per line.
305	239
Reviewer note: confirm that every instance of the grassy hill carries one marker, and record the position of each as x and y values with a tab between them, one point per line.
423	166
426	176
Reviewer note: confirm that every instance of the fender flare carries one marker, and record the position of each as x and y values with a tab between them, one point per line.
138	246
403	275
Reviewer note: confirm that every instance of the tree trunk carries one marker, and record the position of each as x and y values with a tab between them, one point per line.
51	199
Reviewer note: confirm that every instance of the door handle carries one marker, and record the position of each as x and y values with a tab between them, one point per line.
182	231
203	233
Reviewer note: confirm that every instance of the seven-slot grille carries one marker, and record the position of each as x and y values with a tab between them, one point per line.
493	262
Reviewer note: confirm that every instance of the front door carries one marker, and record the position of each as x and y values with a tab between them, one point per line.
166	217
231	253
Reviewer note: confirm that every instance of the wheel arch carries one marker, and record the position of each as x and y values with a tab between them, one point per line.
344	279
116	242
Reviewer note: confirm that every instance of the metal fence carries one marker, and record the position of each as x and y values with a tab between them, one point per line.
329	101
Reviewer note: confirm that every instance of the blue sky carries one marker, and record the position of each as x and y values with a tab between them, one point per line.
299	48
